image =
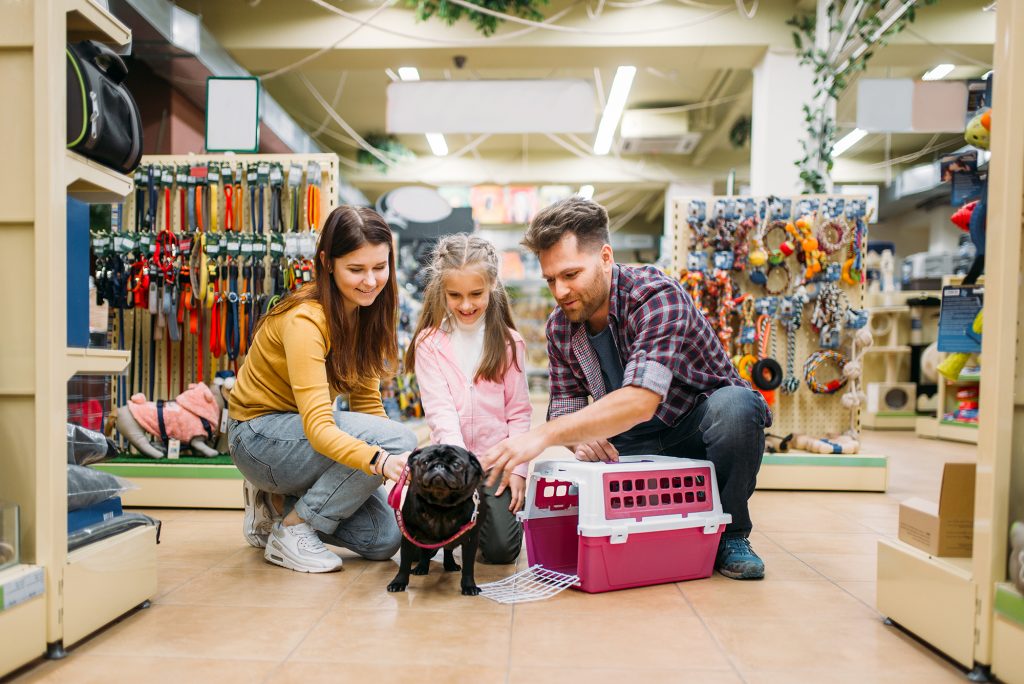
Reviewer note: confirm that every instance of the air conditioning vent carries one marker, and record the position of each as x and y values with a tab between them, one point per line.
652	132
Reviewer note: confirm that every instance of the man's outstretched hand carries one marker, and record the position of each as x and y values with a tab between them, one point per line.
601	450
504	456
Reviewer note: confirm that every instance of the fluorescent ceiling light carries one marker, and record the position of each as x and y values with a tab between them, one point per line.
437	144
938	73
614	108
848	141
185	30
409	73
586	192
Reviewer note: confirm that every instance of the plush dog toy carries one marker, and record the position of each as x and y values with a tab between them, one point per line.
193	418
841	444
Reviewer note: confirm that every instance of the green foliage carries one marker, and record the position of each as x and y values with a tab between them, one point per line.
388	145
830	83
485	23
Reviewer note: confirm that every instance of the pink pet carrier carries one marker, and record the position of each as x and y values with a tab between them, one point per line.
645	520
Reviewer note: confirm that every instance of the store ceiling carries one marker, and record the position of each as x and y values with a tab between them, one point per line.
710	59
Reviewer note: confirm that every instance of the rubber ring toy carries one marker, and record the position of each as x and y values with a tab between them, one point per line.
745	366
766	374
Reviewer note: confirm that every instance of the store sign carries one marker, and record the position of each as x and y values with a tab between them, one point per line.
232	114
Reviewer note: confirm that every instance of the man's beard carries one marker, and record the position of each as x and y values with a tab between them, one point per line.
590	300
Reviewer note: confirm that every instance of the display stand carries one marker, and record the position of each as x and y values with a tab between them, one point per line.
963	607
892	355
801	412
201	482
35	363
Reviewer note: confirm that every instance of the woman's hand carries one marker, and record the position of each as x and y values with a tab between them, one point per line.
391	465
517	487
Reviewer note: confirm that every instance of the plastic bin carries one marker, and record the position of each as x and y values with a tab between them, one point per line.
644	520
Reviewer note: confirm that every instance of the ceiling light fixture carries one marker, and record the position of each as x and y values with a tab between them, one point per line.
438	145
613	109
586	192
391	74
848	141
938	73
409	73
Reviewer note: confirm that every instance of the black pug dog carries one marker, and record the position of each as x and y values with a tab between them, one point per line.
442	482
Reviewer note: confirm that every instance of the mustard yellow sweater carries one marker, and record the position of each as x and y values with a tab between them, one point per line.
285	372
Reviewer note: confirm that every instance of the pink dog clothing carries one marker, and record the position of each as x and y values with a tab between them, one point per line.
183	418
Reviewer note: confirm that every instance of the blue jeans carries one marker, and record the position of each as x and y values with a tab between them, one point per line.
346	506
726	429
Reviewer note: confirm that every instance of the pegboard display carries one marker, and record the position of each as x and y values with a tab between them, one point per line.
781	278
198	253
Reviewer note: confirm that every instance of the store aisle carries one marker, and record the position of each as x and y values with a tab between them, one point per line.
223	615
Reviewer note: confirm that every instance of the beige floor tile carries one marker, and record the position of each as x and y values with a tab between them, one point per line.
628	642
571	675
941	674
664	598
266	586
725	598
826	542
293	672
428	637
200	544
82	668
863	646
170	577
786	567
840	567
885	525
224	515
770	520
438	591
207	631
865	591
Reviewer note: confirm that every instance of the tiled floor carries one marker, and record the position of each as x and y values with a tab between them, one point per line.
222	615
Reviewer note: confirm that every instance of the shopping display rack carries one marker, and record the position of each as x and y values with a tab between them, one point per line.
644	520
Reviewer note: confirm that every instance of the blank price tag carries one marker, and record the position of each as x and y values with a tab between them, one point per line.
173	450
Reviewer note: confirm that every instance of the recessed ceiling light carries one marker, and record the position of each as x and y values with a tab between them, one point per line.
586	192
614	108
848	141
437	143
409	73
938	73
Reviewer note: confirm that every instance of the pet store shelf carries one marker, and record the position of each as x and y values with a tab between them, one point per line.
166	484
105	580
88	20
828	472
889	421
97	361
94	183
1008	634
22	622
929	596
957	432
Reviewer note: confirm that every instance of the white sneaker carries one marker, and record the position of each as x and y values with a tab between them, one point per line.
259	515
297	547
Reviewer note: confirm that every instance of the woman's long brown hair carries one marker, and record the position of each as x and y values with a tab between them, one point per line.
457	252
366	347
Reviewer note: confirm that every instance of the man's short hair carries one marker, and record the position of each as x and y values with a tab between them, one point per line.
586	219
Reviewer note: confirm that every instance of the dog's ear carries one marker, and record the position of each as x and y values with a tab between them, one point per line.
474	465
414	457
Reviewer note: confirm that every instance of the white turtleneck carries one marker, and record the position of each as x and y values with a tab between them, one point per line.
468	345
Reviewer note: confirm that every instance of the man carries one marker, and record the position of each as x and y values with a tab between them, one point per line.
632	339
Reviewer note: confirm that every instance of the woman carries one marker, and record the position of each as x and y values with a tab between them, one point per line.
313	473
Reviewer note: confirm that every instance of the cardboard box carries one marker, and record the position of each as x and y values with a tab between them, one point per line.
945	528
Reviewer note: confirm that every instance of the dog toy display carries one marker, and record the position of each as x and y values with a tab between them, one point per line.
441	511
839	444
193	418
953	364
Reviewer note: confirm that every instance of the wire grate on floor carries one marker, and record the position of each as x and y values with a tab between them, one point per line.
533	584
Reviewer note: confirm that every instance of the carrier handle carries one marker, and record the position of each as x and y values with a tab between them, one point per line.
105	59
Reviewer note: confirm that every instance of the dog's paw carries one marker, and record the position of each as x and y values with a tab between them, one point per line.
471	590
452	567
421	570
397	586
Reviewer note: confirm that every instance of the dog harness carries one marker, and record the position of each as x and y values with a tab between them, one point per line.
395	501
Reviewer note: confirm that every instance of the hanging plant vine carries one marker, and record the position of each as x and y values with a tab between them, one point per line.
389	146
832	78
486	24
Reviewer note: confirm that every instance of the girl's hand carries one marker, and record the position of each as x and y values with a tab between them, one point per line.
517	486
391	465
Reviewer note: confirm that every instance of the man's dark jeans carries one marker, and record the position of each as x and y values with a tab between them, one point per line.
726	429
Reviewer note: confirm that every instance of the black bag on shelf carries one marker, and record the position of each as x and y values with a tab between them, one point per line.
103	120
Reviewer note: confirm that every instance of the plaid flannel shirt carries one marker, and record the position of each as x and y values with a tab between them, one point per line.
665	344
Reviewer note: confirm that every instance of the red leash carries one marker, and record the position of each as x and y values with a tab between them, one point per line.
395	501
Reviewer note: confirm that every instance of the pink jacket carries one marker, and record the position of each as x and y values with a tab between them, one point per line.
475	415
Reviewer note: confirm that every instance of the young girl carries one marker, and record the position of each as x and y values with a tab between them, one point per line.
469	363
312	472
